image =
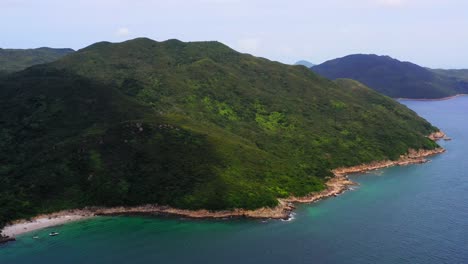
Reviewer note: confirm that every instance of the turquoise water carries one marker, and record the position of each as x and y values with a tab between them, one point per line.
414	214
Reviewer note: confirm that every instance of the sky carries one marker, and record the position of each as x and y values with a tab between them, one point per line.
431	33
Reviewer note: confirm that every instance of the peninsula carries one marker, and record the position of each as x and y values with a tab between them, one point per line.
195	126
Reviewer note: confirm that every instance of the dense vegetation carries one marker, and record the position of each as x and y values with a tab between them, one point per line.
392	77
12	60
192	125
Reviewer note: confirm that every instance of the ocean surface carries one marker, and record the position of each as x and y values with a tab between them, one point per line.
414	214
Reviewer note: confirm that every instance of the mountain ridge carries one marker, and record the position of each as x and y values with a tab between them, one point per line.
12	60
398	79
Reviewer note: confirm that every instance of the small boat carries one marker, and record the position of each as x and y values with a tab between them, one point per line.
53	234
36	237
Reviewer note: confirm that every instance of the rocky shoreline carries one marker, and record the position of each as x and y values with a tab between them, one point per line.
6	239
335	186
438	136
340	182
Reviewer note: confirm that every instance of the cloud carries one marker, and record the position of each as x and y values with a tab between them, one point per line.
122	32
249	45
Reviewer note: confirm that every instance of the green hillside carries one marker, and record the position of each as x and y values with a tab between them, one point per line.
12	60
191	125
393	77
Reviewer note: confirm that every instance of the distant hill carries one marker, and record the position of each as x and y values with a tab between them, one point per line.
12	60
393	77
308	64
191	125
461	74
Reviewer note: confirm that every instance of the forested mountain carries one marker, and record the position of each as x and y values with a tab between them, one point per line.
12	60
191	125
393	77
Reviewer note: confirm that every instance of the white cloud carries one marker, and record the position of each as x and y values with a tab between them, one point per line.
249	45
122	32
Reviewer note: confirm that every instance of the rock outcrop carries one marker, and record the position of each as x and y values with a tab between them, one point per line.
6	239
438	136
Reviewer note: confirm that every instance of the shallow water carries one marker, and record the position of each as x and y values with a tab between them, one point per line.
414	214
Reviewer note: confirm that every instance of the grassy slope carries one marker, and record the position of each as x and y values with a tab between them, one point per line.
12	60
392	77
193	125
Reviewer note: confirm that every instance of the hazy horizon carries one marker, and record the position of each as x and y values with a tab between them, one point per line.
427	33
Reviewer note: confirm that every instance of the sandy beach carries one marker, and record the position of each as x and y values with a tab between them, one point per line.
335	186
42	221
